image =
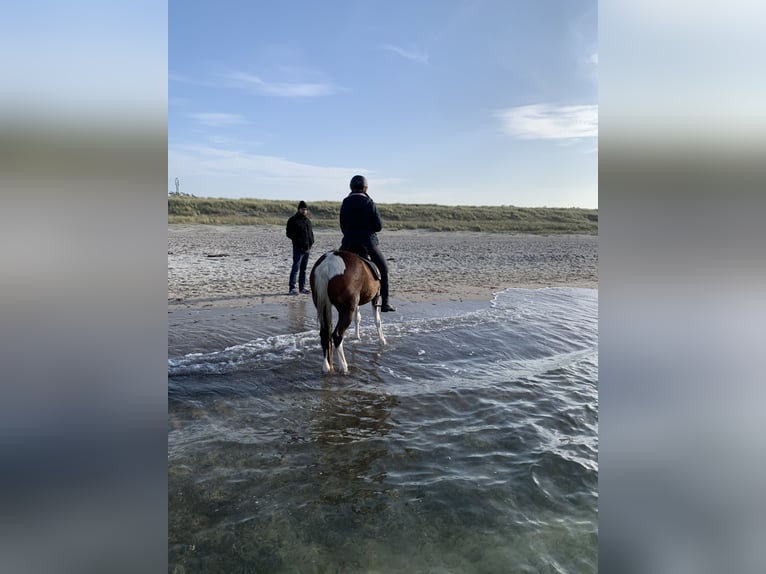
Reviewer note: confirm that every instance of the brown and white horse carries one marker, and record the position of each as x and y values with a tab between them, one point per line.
341	279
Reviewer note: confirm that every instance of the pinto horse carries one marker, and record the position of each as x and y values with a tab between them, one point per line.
341	279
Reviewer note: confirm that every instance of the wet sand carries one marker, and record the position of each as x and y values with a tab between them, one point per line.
238	275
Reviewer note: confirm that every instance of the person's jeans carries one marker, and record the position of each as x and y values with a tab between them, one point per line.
300	262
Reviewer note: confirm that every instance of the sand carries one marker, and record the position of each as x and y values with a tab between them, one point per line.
246	266
228	285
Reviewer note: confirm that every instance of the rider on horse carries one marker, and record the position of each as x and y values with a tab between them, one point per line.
360	221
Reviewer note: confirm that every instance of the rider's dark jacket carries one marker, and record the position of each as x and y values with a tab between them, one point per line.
359	220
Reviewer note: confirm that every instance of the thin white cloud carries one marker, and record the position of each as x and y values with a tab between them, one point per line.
413	55
192	81
217	119
261	172
219	140
207	160
285	89
593	59
176	77
549	122
210	171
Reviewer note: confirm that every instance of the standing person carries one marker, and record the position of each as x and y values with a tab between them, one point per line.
360	221
299	230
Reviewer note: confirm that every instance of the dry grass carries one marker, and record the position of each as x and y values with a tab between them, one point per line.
492	219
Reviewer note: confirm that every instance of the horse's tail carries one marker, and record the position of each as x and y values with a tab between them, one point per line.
322	276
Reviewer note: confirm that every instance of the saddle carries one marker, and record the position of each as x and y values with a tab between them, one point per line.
361	251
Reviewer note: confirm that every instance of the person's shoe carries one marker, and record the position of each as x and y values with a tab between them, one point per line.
385	308
305	291
293	291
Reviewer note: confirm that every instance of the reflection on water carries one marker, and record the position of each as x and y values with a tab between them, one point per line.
348	427
299	311
274	492
468	444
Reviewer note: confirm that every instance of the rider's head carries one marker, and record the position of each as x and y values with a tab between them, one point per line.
358	183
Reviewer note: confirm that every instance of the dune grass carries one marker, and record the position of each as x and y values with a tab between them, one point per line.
491	219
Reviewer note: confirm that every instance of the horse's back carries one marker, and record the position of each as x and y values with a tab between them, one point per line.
329	265
363	282
345	276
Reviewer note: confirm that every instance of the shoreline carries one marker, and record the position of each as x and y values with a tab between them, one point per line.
235	267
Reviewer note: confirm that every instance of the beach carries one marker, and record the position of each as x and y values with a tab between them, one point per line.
228	284
467	443
238	267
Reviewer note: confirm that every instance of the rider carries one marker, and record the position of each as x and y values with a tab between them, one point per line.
359	222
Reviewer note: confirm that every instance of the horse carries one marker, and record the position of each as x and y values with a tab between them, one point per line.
343	280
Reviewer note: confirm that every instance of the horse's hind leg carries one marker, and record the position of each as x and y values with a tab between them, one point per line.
344	320
358	320
378	322
342	359
324	336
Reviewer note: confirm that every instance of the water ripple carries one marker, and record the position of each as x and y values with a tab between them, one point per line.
468	444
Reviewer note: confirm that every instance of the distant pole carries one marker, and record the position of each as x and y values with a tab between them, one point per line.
178	187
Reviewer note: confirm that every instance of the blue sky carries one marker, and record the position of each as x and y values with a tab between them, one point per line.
454	102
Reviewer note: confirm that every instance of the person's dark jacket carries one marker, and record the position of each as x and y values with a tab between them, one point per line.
299	230
359	220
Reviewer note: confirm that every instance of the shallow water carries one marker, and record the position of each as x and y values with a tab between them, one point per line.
467	444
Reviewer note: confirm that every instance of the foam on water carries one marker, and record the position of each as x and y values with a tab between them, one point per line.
542	319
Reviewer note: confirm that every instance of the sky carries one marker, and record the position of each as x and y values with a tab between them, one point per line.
450	102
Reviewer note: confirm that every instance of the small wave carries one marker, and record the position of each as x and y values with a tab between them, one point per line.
279	349
251	355
523	330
